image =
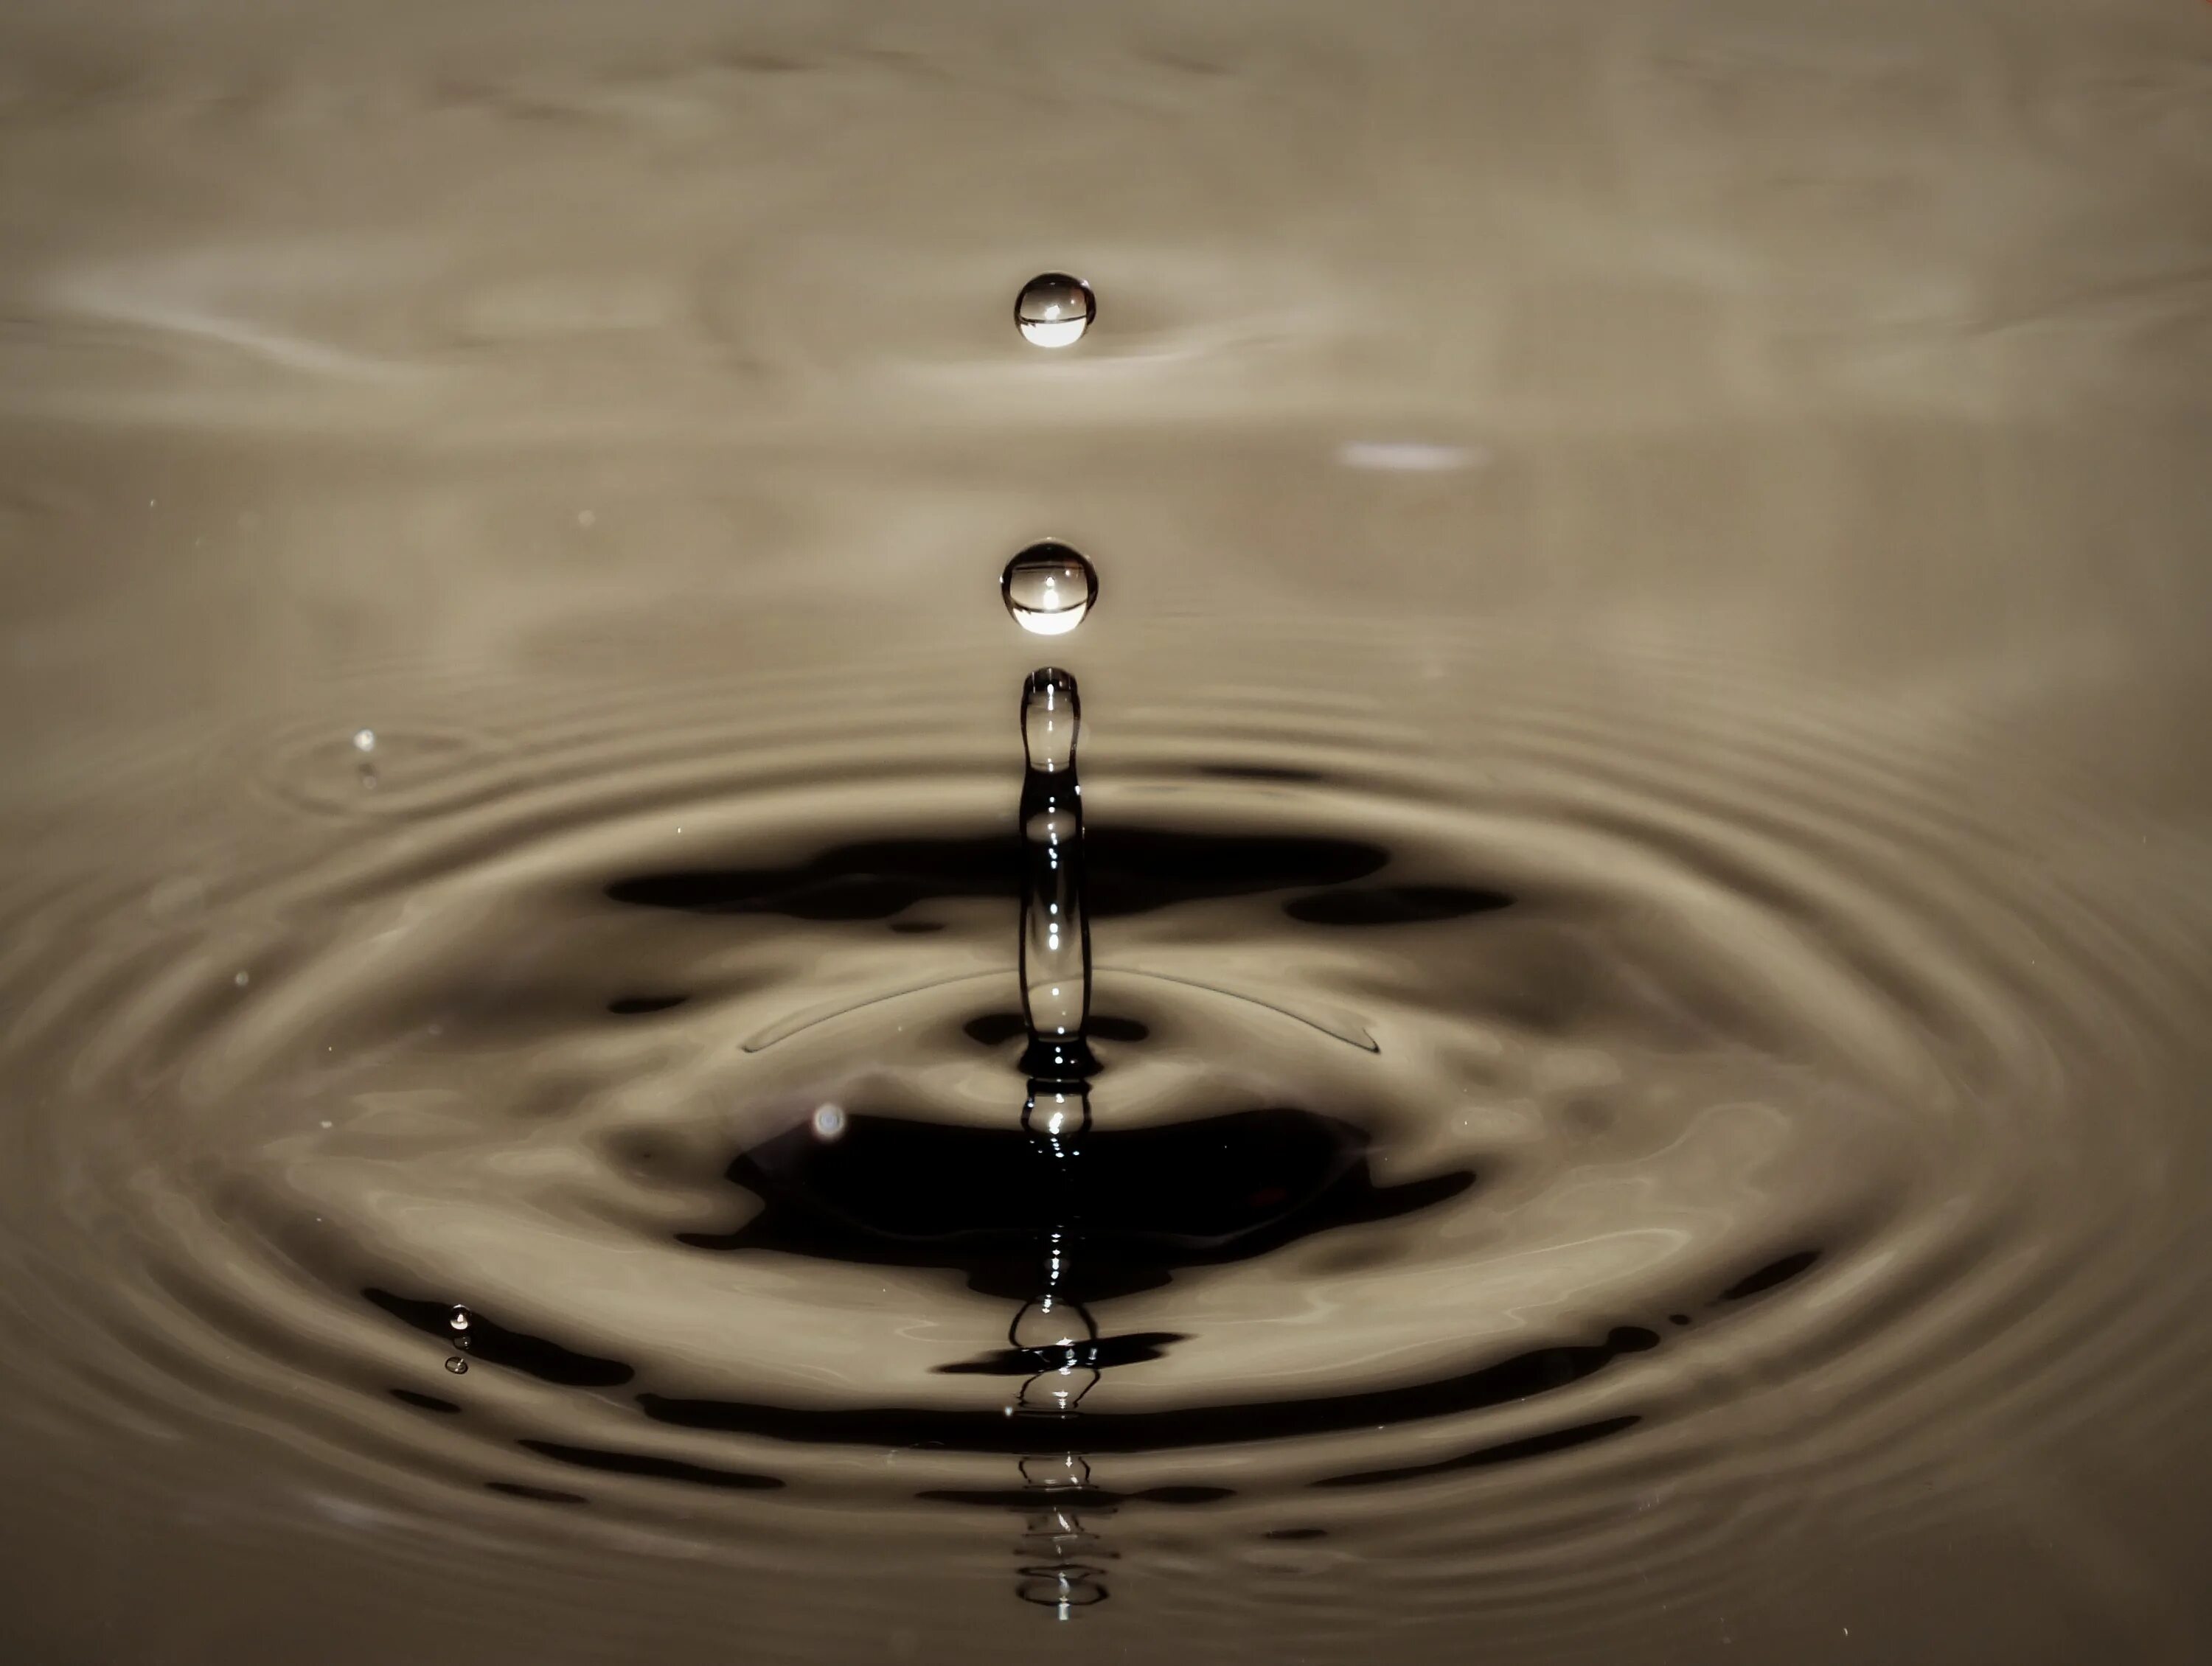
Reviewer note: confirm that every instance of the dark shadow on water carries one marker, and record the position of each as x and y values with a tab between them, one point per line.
1138	1349
632	1006
1077	1498
1395	905
1504	1451
1141	1205
516	1489
1774	1272
656	1468
493	1343
424	1402
1128	870
1516	1378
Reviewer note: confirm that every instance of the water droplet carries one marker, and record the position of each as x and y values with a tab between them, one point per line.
242	979
460	1320
364	740
1053	310
1048	588
457	1365
1050	1323
828	1123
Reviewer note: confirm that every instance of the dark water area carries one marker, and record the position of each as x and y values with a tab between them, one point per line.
1603	1059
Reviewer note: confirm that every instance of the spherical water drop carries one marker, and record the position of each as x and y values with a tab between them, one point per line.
1047	1324
828	1123
457	1365
364	740
1048	588
460	1320
1053	310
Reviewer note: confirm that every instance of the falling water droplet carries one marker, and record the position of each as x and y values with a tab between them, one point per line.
364	740
457	1365
460	1320
829	1122
1053	310
1048	588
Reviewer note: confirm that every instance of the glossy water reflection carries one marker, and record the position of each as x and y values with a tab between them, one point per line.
1643	834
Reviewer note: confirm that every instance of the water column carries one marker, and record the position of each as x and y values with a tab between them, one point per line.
1055	941
1048	588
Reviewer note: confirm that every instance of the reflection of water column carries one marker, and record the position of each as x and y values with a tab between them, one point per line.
1056	1334
1056	1574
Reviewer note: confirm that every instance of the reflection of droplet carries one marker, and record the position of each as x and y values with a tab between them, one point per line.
1055	1469
1048	588
457	1365
1057	1110
367	776
1053	310
828	1123
364	740
1056	1393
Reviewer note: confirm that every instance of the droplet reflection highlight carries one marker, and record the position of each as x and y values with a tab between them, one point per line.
1054	310
1048	588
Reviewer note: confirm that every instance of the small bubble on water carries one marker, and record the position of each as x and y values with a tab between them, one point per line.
364	740
1053	310
457	1365
1048	588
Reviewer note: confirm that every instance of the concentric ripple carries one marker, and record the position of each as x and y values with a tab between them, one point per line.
1639	1092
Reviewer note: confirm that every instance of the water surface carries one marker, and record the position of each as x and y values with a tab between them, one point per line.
1645	834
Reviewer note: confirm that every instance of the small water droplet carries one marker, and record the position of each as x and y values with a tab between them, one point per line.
1048	588
828	1123
457	1365
364	740
1053	310
1048	1322
242	979
460	1320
